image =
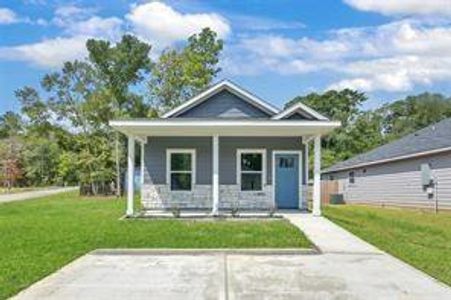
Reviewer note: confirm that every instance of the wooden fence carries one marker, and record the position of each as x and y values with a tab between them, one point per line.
328	187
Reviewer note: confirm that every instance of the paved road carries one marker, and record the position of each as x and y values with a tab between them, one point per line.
347	268
34	194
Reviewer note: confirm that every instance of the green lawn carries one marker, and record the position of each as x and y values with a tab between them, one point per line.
38	237
421	239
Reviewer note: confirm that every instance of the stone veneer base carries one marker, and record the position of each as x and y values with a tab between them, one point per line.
159	196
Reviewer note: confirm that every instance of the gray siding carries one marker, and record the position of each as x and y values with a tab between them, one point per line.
224	105
298	116
155	155
229	145
397	183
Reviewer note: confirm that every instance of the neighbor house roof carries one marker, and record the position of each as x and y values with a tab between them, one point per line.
435	138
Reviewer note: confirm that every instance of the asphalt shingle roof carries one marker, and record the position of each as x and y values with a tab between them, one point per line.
433	137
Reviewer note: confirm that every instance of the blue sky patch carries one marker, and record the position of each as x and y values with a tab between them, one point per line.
277	49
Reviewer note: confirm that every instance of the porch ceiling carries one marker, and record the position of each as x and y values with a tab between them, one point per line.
208	127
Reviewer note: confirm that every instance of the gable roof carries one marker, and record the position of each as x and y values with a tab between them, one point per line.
301	109
435	138
220	86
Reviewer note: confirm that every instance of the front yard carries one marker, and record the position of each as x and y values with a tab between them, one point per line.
38	237
421	239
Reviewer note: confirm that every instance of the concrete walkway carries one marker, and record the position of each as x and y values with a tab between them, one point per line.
34	194
329	237
347	268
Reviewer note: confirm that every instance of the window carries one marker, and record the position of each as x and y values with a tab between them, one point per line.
180	167
286	162
251	168
351	177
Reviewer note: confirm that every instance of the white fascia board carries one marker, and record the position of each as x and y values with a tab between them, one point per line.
220	123
184	127
387	160
303	107
217	88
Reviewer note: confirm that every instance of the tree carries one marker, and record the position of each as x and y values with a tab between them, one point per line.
67	168
74	97
413	113
119	67
180	74
343	106
36	110
40	158
65	129
79	99
10	165
10	124
95	163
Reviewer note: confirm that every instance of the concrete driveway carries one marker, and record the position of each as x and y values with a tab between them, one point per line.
347	268
35	194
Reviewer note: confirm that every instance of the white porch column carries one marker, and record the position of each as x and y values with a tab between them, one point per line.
215	177
306	172
142	164
130	174
307	163
317	177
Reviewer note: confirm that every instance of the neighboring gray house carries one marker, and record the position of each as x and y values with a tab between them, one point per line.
225	148
412	171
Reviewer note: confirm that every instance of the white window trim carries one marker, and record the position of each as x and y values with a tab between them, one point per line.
238	166
170	151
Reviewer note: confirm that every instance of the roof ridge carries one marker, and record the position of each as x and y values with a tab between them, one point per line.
359	160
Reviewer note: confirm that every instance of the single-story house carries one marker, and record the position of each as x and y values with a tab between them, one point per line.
225	148
412	171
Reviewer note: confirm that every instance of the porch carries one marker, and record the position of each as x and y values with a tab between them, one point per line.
223	166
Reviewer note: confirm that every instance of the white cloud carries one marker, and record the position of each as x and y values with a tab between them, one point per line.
78	24
7	16
155	22
403	7
50	53
66	15
95	26
263	24
161	24
393	57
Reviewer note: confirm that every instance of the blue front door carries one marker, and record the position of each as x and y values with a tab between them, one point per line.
287	180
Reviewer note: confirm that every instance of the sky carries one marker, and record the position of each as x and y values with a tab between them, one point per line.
276	49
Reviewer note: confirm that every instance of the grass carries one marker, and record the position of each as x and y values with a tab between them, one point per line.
422	239
37	237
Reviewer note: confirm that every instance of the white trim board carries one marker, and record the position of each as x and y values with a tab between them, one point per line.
220	86
303	109
170	151
273	175
240	151
209	127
